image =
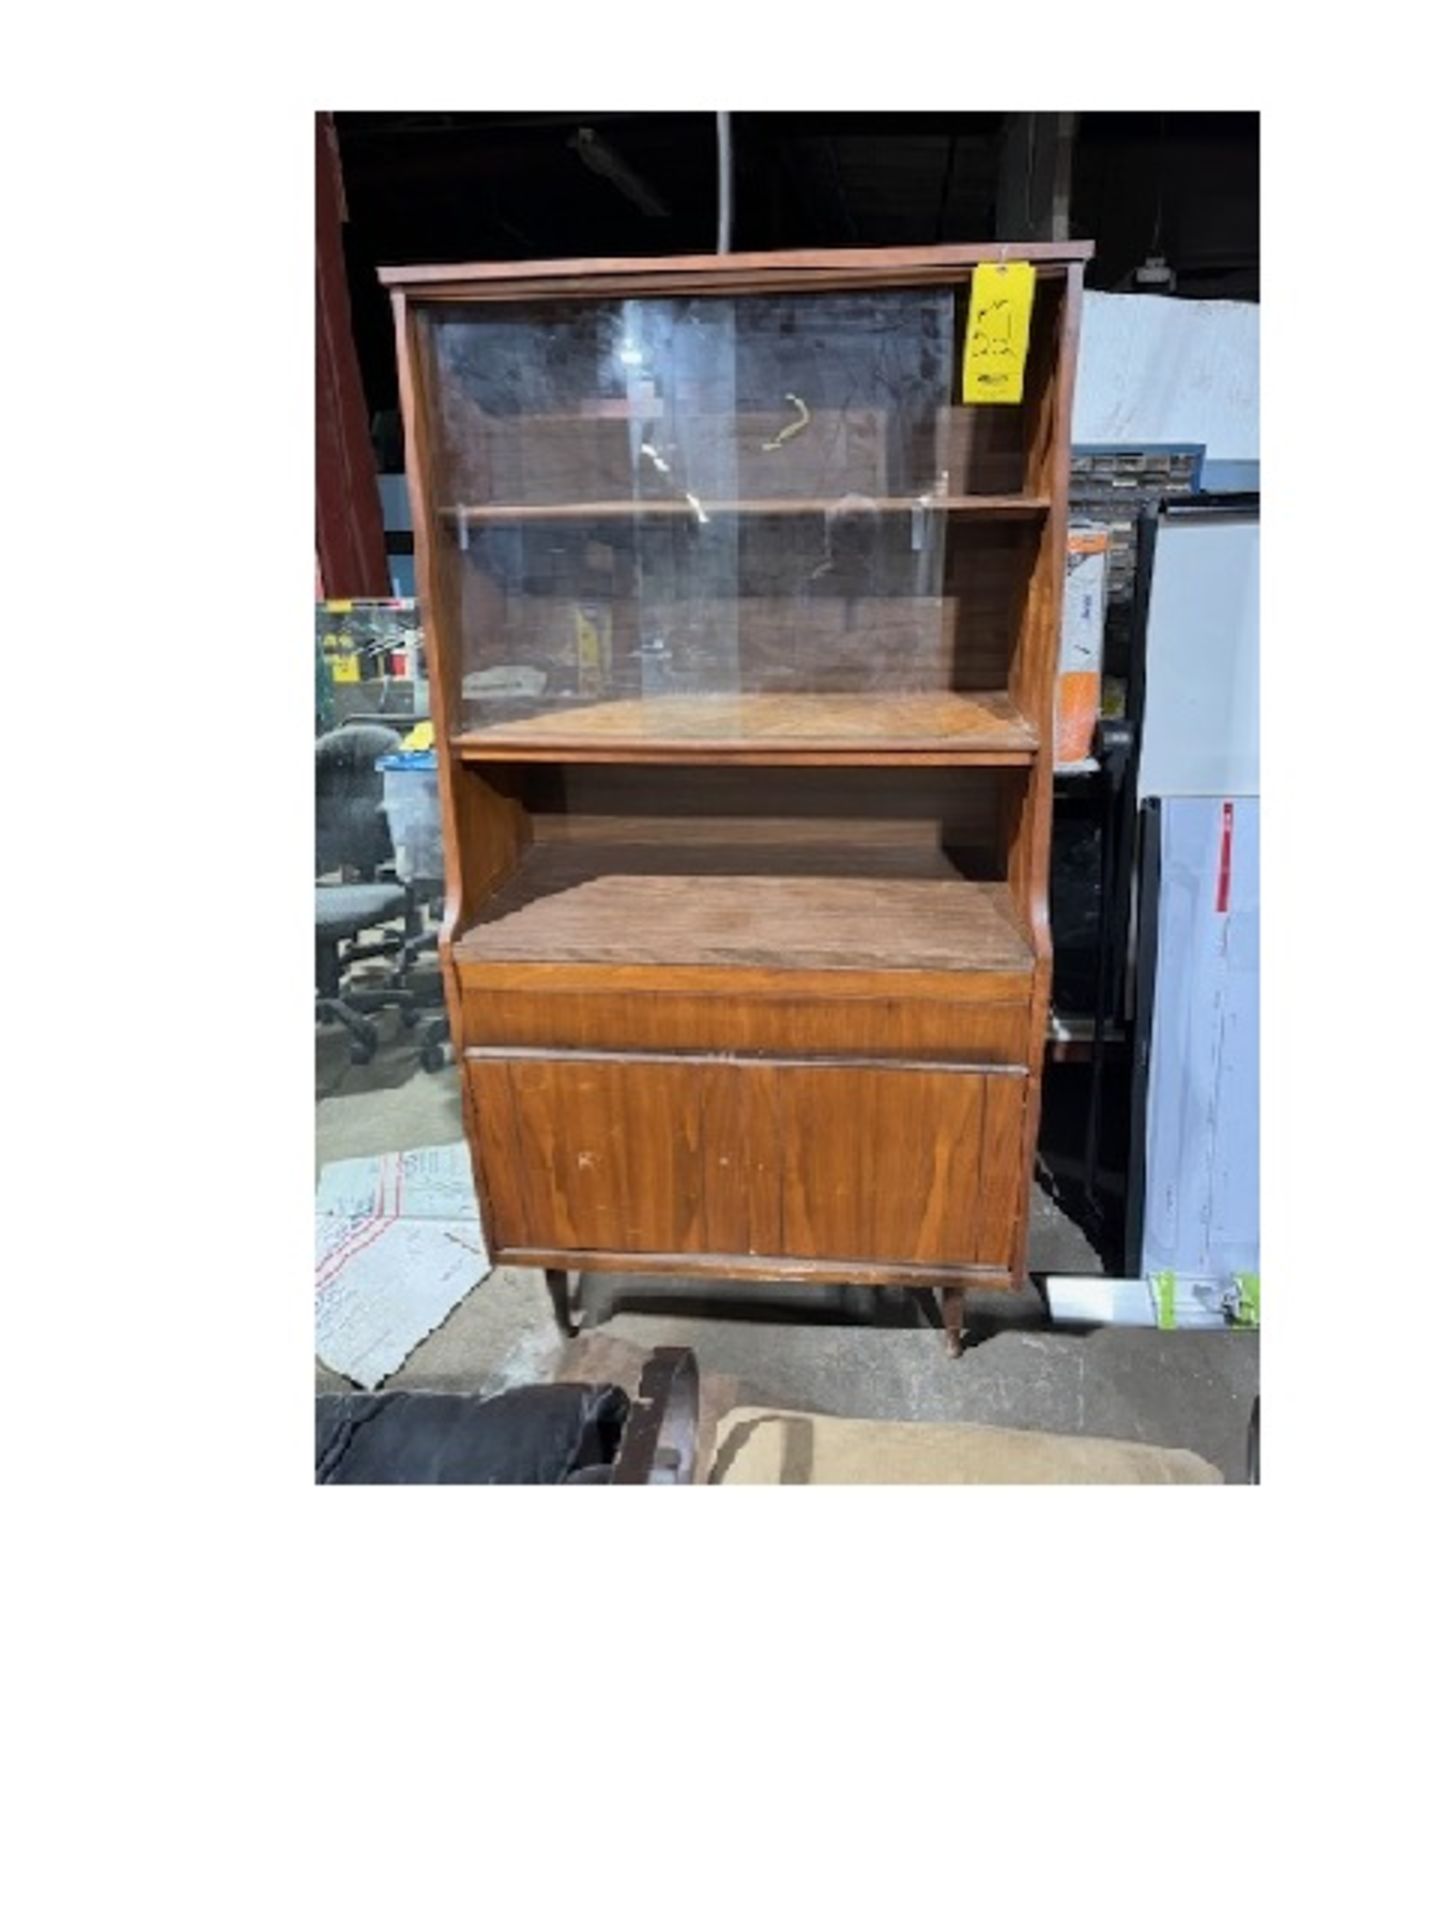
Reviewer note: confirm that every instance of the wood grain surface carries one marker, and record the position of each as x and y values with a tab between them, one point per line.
721	273
812	1161
893	1024
824	724
702	905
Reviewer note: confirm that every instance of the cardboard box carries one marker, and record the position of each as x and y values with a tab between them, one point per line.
1079	664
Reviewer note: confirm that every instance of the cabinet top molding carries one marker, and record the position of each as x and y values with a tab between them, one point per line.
733	269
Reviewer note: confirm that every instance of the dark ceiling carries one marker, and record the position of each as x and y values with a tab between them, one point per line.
477	186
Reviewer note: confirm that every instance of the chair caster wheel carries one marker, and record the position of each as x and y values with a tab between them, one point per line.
409	1016
362	1052
433	1058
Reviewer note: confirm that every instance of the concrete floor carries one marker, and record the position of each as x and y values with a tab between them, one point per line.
854	1351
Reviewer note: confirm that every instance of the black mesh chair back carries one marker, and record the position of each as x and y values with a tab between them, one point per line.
351	830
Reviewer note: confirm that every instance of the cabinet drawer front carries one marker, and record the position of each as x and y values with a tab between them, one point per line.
801	1160
983	1032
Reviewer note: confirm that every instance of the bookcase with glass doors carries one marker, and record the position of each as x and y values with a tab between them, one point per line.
742	630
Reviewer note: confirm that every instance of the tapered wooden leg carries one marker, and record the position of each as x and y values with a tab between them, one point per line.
558	1285
952	1320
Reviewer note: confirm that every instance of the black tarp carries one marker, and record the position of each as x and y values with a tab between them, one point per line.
529	1436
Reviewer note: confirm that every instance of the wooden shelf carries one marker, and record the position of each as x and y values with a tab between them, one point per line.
698	905
994	506
771	729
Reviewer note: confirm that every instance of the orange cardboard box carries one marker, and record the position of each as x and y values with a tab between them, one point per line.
1079	666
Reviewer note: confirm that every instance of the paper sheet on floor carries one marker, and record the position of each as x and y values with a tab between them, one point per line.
398	1245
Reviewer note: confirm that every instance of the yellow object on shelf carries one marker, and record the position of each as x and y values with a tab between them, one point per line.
420	739
593	651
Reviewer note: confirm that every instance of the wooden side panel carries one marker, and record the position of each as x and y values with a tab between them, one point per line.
1040	403
459	821
888	1165
1031	835
494	829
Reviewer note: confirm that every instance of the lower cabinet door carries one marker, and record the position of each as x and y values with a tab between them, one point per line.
921	1165
628	1155
791	1159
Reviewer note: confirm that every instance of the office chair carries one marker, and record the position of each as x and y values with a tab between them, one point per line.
352	839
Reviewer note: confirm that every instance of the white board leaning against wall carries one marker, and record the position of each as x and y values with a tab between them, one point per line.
1154	371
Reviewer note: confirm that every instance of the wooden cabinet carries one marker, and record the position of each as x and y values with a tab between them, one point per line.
793	1160
742	633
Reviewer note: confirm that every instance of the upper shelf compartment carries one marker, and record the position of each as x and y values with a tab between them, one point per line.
782	402
757	529
785	638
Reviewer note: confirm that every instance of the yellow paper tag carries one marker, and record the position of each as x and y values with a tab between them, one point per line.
346	669
999	315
